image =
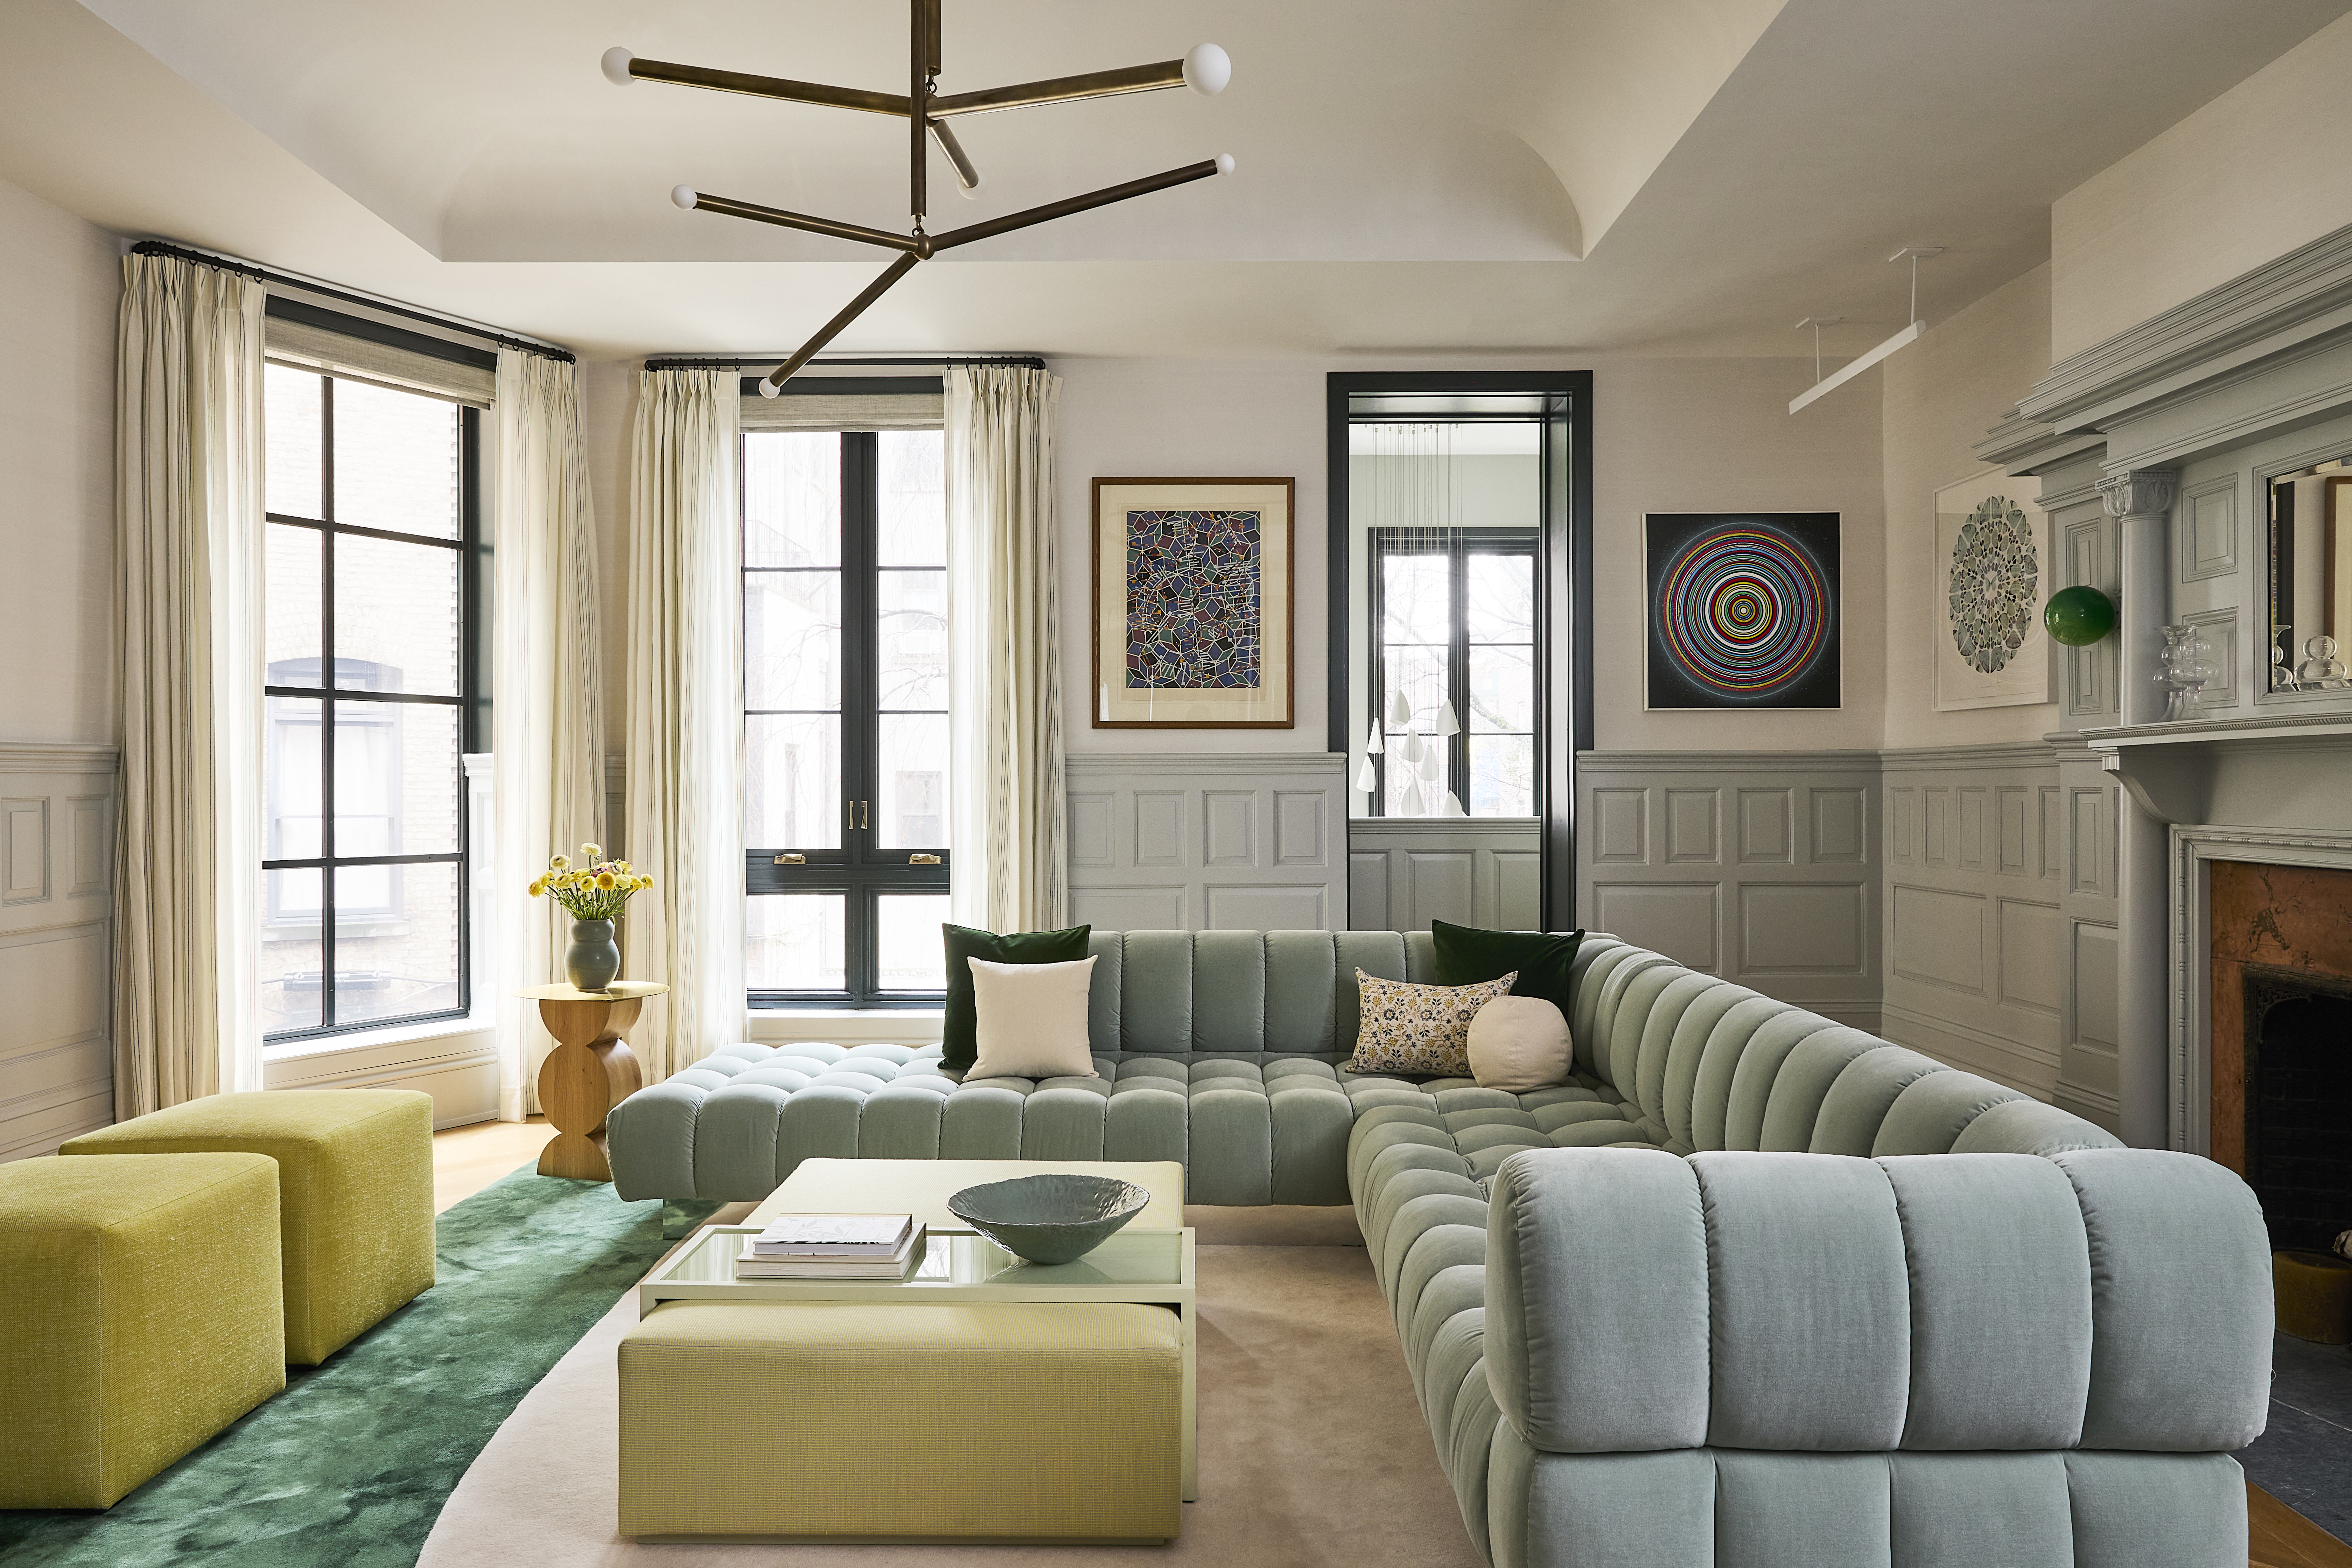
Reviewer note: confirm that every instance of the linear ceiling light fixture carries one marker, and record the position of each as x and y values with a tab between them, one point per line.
926	111
1909	334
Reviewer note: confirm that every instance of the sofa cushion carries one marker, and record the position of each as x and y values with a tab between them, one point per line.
1414	1029
1520	1044
958	1042
1543	962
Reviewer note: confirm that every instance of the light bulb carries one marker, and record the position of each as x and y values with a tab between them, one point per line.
1225	163
1448	724
616	66
1207	69
684	197
769	388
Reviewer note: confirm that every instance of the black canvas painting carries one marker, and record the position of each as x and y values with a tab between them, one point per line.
1744	610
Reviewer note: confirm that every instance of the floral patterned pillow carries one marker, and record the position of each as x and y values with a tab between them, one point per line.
1419	1028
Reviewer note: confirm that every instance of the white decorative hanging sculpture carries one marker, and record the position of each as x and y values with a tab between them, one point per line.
1413	750
1433	761
1448	724
1374	741
1399	711
1367	779
1454	805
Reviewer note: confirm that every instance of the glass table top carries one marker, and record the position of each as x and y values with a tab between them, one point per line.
955	1260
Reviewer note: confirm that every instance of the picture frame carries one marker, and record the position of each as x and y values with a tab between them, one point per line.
1989	649
1194	605
1745	611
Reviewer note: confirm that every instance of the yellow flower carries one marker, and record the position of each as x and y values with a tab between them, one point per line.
622	866
606	879
559	862
592	852
644	881
538	885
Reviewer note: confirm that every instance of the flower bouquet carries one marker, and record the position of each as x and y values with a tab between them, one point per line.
595	893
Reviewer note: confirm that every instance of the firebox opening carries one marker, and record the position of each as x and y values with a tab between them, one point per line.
2299	1104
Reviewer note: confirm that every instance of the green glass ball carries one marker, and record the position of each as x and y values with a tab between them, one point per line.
2079	616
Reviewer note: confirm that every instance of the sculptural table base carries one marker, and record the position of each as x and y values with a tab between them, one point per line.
591	1070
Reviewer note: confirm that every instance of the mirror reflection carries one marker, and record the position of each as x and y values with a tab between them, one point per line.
2311	577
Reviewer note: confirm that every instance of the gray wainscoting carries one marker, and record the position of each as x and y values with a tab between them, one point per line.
1760	867
1405	871
56	931
1204	841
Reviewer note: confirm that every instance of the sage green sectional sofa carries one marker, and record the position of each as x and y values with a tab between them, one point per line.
1753	1290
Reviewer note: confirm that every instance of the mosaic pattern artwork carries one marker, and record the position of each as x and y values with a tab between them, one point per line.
1744	610
1192	580
1995	585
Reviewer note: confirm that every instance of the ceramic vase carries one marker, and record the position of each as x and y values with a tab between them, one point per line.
594	958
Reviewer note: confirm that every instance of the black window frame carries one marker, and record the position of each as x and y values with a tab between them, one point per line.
471	701
857	869
1458	545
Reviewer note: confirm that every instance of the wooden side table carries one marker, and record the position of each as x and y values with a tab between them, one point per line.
591	1070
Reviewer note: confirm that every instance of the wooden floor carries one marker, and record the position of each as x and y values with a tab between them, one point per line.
467	1159
2282	1537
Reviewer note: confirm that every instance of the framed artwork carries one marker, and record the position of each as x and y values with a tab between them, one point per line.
1193	604
1989	575
1744	609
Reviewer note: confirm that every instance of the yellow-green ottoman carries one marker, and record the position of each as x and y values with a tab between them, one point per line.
836	1420
354	1190
139	1315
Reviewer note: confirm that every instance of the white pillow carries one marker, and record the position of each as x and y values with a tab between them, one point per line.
1031	1020
1518	1044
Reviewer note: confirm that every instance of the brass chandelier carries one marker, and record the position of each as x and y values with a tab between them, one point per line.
927	112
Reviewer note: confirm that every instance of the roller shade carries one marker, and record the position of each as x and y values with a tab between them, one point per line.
360	350
857	403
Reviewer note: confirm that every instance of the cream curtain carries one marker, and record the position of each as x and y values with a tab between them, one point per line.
546	684
188	499
686	717
1005	671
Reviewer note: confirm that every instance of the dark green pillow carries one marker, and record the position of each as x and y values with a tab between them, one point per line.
959	1030
1466	955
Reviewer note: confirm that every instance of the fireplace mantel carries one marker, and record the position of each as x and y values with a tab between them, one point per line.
2175	771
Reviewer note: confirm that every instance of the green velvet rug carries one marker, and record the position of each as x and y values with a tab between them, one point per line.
351	1465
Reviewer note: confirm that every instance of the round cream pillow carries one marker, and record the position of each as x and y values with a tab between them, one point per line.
1518	1044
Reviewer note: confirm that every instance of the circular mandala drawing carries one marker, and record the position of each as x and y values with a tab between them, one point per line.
1996	575
1745	611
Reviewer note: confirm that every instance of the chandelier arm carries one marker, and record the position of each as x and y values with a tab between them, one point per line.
1064	209
922	69
849	313
966	176
730	207
1064	88
768	87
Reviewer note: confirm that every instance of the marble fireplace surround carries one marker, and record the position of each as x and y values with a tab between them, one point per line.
2293	921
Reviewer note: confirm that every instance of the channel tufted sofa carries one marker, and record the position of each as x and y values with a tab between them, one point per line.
1881	1313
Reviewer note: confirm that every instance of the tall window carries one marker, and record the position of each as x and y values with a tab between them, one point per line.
1455	610
845	715
372	530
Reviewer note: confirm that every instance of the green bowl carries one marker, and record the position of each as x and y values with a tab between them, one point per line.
2079	616
1053	1218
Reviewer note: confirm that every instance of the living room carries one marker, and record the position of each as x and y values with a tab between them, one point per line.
1744	904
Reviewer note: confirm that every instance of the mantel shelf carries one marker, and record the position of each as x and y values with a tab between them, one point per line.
2169	769
2210	731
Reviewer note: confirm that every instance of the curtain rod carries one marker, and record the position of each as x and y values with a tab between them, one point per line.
707	361
261	274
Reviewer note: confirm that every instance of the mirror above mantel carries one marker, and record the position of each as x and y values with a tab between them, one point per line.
2310	602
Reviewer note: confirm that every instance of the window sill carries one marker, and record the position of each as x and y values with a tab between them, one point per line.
376	1039
843	1025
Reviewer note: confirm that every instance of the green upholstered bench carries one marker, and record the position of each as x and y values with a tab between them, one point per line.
139	1315
355	1194
836	1420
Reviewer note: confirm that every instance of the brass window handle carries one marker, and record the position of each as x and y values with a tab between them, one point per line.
792	859
922	859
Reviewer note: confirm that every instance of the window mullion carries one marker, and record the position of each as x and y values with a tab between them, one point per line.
859	700
327	998
1457	589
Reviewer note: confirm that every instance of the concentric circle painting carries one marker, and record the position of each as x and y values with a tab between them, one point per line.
1744	610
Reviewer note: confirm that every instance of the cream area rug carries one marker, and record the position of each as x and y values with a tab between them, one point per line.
1313	1450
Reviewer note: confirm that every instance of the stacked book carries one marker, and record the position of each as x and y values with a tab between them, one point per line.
833	1247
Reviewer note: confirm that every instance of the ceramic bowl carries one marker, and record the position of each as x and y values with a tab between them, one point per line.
1052	1218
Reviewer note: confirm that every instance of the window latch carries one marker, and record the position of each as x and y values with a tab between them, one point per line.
792	859
922	859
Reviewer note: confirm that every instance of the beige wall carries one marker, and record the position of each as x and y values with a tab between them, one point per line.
1669	435
60	279
1941	395
2247	177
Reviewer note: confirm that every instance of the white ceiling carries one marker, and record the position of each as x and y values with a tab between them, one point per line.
1504	176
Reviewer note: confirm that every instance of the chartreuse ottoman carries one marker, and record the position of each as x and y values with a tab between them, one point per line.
354	1188
139	1315
844	1421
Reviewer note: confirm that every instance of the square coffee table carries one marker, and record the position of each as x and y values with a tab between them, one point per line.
1145	1263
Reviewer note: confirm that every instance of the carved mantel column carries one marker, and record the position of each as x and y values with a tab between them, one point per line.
2142	498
